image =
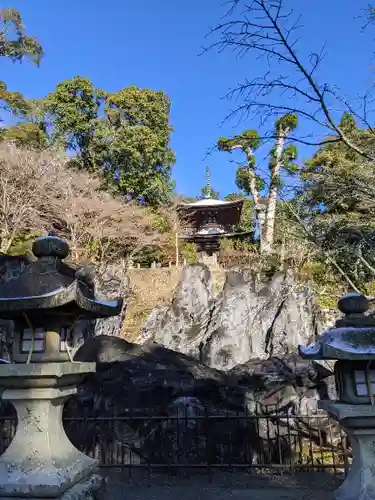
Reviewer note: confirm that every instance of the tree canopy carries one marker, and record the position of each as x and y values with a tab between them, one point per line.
16	45
264	189
334	179
122	136
131	143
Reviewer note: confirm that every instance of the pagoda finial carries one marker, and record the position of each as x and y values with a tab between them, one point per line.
208	193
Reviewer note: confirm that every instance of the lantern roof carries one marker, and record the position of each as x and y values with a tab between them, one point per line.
352	337
48	283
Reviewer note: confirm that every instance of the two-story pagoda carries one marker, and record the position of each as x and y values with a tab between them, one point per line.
207	221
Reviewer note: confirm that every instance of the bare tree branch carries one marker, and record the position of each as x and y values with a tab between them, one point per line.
39	192
267	29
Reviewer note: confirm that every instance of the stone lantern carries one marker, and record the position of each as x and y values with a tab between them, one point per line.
352	344
45	302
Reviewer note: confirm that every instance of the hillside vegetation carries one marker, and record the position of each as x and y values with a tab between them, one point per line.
40	192
96	166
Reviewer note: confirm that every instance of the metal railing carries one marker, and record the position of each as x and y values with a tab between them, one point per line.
277	444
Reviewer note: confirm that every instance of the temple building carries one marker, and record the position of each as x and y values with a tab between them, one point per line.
207	221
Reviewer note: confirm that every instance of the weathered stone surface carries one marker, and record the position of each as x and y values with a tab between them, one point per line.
137	382
359	424
10	268
248	319
87	490
283	383
109	283
40	460
182	325
106	284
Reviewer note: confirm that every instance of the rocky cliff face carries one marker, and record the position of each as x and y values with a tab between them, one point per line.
108	283
247	319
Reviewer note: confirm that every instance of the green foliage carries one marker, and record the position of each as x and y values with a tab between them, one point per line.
29	135
72	110
334	179
248	179
22	242
370	288
286	124
337	189
347	123
247	214
16	45
234	244
149	254
289	155
122	135
160	221
237	252
188	252
92	249
286	226
132	143
12	101
243	180
205	192
248	139
328	299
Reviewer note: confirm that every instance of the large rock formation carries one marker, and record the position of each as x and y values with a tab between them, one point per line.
248	319
143	385
182	325
108	282
229	356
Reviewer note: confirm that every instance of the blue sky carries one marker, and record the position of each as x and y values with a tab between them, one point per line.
156	44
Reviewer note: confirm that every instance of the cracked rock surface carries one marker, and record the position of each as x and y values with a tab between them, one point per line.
247	319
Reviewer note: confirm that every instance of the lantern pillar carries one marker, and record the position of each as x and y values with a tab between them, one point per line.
351	342
359	424
41	462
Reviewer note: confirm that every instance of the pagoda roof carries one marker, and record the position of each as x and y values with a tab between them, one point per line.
200	236
210	203
49	283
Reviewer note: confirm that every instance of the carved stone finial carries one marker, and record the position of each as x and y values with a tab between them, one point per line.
50	246
353	303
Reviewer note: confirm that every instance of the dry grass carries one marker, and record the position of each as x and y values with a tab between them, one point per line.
150	288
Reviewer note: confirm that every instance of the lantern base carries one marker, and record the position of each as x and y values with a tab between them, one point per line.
41	462
87	490
358	422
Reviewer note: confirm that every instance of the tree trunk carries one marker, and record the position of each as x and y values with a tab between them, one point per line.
260	214
269	230
259	207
